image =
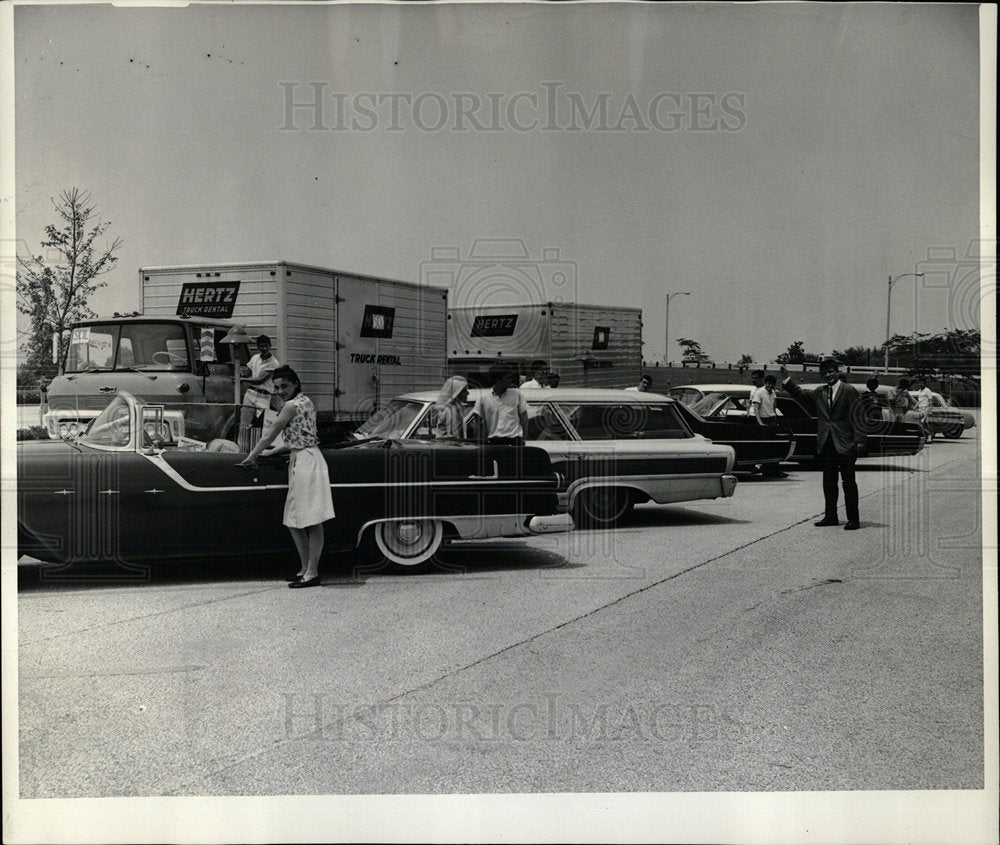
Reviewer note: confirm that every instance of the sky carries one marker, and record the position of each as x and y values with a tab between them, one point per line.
779	162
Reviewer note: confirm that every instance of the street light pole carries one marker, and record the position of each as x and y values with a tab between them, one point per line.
666	326
888	306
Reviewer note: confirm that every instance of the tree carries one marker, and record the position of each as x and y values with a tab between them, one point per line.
795	354
953	352
859	356
54	294
692	351
745	359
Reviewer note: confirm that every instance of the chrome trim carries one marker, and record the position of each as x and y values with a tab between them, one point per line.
554	524
496	473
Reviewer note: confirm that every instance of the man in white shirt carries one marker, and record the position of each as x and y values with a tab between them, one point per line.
539	371
762	408
260	388
645	383
925	401
502	411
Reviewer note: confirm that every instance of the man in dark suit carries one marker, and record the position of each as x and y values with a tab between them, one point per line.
840	439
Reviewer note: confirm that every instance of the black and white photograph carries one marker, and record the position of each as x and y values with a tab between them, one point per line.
515	421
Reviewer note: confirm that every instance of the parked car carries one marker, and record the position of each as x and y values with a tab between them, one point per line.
886	437
944	418
612	448
124	492
754	444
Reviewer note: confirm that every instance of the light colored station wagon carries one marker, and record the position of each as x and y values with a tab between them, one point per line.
613	448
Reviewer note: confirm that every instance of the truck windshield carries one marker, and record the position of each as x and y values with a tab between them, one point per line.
127	346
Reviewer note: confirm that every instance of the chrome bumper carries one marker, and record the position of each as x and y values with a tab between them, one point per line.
478	526
554	524
728	485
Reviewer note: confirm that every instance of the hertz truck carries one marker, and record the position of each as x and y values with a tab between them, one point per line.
587	345
355	341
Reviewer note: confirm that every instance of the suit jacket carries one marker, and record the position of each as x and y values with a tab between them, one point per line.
844	422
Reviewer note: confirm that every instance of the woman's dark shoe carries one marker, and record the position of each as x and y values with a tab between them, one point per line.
823	523
312	582
293	579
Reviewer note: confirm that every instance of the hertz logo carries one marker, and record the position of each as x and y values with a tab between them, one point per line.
208	299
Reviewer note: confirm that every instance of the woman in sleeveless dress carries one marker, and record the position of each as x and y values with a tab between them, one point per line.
309	502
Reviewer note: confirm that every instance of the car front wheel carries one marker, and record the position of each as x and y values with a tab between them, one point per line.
601	507
409	543
954	431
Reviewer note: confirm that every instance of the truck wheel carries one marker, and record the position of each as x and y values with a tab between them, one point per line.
954	432
407	544
601	507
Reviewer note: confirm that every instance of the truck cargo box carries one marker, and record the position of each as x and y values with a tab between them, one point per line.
587	345
354	340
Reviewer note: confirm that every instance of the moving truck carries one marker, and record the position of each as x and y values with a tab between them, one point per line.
587	345
354	340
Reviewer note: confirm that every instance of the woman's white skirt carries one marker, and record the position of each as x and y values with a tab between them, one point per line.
309	501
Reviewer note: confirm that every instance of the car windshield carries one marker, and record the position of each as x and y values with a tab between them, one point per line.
713	405
391	422
187	426
112	427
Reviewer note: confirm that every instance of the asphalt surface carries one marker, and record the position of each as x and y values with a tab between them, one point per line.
724	645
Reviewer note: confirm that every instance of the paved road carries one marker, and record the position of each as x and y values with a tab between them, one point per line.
724	645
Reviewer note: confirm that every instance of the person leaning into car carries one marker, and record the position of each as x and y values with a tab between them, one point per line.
840	439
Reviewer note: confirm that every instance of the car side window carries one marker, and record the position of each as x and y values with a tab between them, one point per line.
612	422
543	424
423	429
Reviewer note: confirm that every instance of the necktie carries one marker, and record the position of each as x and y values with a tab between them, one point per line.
829	397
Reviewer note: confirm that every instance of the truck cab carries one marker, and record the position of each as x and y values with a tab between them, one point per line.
162	360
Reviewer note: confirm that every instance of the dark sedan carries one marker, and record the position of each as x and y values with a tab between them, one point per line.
118	494
885	436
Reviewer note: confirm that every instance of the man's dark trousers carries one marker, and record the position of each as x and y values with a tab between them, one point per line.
835	464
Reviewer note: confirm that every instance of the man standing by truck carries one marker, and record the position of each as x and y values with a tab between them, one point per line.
260	387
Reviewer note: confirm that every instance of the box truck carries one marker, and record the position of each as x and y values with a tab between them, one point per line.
586	345
354	340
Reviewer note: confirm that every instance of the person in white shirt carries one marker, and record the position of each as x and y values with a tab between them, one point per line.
502	411
645	383
539	371
260	367
257	376
925	401
763	409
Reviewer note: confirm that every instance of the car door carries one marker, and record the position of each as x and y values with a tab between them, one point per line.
201	503
802	423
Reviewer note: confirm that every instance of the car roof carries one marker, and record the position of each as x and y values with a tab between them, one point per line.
717	388
560	394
